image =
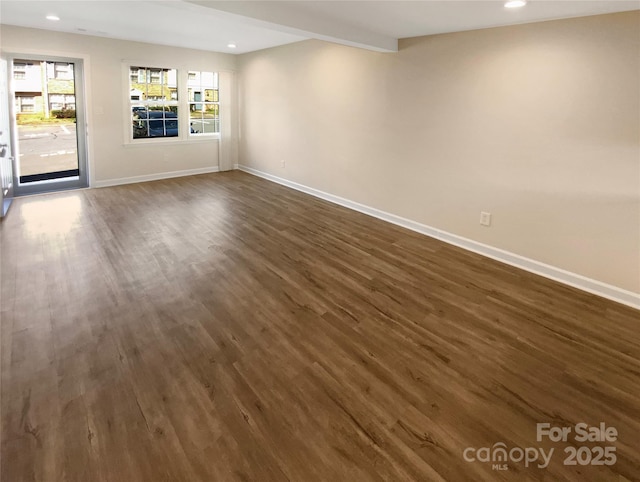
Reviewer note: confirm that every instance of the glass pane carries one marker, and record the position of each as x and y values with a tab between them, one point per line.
196	122
208	79
45	118
171	111
155	121
139	112
204	118
171	78
140	129
153	84
155	76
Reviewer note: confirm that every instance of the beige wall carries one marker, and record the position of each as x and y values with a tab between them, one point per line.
111	159
537	124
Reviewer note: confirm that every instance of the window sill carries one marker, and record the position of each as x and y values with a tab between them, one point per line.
170	141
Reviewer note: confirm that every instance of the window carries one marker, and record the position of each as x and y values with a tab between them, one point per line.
153	97
155	76
204	106
25	104
158	106
62	102
19	71
137	75
63	71
58	70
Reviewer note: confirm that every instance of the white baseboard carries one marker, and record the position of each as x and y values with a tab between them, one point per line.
595	287
155	176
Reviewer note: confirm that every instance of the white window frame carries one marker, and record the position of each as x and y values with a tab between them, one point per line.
203	102
152	72
182	103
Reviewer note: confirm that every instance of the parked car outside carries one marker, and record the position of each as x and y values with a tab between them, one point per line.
154	123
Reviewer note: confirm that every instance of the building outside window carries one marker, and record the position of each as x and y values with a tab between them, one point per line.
25	104
63	71
43	90
62	101
19	71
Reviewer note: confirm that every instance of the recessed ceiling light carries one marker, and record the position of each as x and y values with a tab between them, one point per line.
53	18
515	3
231	45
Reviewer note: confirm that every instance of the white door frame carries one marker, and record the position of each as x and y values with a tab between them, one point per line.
6	150
80	83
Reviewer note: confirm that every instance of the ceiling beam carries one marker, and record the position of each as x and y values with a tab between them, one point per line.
284	17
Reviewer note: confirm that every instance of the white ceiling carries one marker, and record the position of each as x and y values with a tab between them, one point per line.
175	23
253	25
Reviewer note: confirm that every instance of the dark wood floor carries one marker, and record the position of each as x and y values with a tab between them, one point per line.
221	328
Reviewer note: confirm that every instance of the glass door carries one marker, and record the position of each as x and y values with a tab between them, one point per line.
49	126
6	153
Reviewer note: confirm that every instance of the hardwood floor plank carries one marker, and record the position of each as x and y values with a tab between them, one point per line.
225	328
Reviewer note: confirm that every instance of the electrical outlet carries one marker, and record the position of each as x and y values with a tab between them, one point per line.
485	219
282	163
